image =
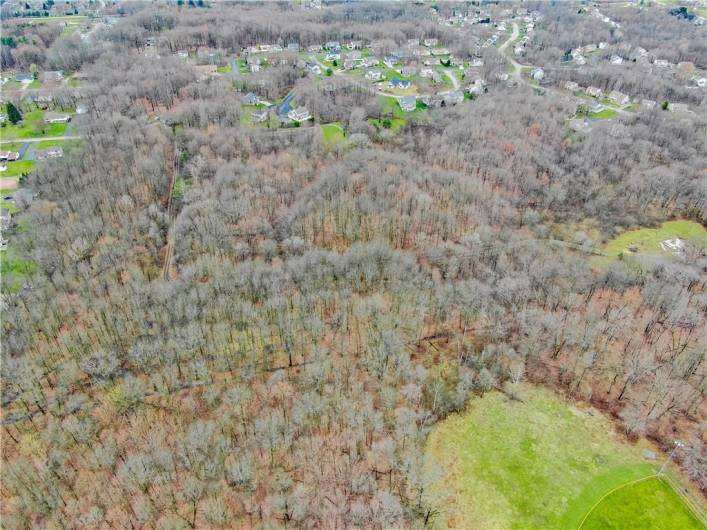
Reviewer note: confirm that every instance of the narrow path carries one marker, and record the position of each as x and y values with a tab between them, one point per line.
452	78
169	248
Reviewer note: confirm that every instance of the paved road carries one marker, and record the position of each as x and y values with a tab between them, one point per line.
43	139
516	65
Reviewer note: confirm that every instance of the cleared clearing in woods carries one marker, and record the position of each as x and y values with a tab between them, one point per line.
535	463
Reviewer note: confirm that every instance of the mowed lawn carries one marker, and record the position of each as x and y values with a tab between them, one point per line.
333	133
33	126
646	504
648	240
541	463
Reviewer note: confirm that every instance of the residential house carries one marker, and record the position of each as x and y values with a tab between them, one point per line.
293	46
678	107
314	67
661	63
52	152
596	107
354	45
183	54
333	56
24	78
701	82
439	51
421	52
589	48
374	75
453	98
538	74
408	71
396	82
299	114
408	103
9	156
639	52
369	61
354	55
648	103
580	60
251	99
571	86
314	48
390	60
476	62
56	117
5	218
619	97
616	59
603	45
595	91
254	67
430	42
259	116
426	72
477	87
332	45
350	64
55	76
413	42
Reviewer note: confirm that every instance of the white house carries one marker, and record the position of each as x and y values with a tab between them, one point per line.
299	114
408	103
619	97
56	117
538	74
595	91
374	75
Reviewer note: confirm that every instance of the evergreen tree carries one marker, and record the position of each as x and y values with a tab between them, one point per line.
13	114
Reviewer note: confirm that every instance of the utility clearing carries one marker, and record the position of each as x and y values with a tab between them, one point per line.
540	462
658	241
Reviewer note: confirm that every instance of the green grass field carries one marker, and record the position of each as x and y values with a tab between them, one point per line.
647	240
649	503
18	168
32	127
603	114
14	270
333	133
541	463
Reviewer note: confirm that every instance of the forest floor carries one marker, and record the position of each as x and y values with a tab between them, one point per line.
535	462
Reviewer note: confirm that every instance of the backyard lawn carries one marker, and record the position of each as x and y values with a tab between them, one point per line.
603	114
32	127
536	463
16	169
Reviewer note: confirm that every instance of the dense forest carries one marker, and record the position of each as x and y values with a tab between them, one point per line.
271	346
